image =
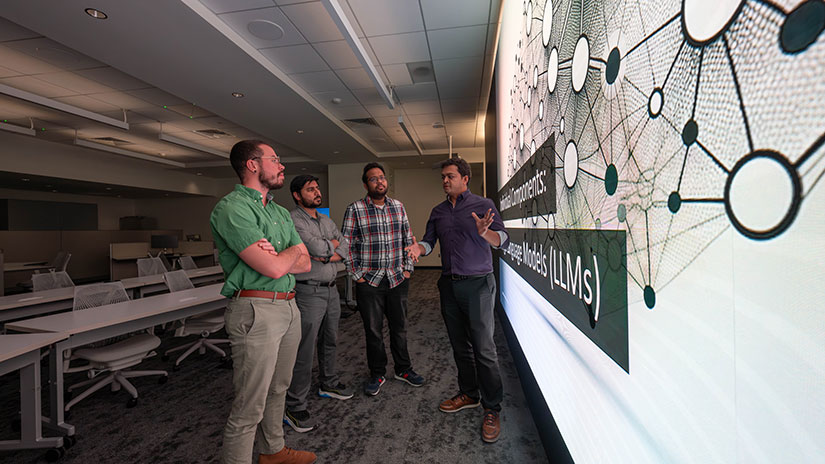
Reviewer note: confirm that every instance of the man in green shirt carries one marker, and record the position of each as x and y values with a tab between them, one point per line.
259	250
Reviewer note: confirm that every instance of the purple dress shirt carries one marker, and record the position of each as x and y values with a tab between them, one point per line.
463	251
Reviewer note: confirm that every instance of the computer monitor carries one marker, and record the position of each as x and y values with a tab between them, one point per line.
164	241
324	211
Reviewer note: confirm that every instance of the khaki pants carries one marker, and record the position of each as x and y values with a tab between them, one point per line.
264	336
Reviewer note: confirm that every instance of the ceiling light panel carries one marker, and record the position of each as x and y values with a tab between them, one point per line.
457	43
440	14
295	59
397	74
226	6
387	16
258	27
400	48
313	21
337	54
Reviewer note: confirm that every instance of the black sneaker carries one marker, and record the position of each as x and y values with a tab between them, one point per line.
339	392
373	385
300	421
410	377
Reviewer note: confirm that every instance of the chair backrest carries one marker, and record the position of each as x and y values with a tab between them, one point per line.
50	280
167	266
61	261
150	266
177	281
186	262
99	294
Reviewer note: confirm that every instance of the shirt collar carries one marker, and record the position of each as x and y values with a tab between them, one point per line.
251	193
368	201
462	196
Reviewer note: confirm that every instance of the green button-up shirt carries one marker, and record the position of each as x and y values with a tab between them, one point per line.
239	220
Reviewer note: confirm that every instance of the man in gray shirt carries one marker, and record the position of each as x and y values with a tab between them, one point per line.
319	304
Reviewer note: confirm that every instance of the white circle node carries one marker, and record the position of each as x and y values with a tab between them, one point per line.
581	61
535	76
705	19
561	126
521	137
547	23
552	70
529	17
655	102
571	164
761	194
541	110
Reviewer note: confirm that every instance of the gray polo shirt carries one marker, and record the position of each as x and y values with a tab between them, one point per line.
317	235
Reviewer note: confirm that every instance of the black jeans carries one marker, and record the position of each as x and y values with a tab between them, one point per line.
468	308
374	303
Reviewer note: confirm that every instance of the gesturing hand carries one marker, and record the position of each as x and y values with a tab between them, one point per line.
483	224
414	250
266	246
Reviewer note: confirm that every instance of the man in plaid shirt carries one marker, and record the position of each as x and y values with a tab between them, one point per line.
378	230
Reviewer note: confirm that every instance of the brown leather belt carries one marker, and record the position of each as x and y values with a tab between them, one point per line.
264	294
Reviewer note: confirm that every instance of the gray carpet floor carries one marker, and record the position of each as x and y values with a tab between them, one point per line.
182	421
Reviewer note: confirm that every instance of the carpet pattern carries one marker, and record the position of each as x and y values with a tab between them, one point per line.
182	421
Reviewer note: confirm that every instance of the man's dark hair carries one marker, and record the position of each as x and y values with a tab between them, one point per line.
242	152
298	183
462	166
369	166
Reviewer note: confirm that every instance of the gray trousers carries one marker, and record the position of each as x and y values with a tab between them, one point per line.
320	312
264	336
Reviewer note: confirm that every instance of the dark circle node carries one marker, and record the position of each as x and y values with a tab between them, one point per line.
674	202
621	212
689	132
612	70
650	297
796	200
611	179
802	26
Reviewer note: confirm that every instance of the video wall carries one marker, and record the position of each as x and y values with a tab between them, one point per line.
660	174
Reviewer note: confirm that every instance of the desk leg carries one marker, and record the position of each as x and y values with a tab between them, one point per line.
31	430
56	403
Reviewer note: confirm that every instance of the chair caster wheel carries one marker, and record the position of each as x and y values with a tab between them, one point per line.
132	403
55	454
163	379
69	441
165	357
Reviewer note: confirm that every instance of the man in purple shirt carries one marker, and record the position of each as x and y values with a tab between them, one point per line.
467	225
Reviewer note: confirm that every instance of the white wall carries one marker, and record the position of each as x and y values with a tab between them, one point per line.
420	190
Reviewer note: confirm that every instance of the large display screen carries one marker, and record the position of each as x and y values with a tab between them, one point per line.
660	166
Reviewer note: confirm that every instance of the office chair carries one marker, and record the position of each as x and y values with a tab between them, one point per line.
58	264
204	324
50	280
150	266
114	355
186	263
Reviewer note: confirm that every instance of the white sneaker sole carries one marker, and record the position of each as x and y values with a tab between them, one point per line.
297	427
329	394
398	377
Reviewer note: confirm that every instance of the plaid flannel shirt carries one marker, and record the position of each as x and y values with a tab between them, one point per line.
377	238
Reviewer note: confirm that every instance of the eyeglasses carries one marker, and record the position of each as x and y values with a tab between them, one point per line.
375	179
276	159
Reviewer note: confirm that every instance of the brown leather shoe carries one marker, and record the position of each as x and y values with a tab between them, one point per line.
457	403
490	427
287	456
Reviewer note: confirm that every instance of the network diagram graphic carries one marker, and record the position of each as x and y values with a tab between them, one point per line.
673	120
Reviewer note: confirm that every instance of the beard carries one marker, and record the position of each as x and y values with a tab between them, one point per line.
375	194
314	203
271	183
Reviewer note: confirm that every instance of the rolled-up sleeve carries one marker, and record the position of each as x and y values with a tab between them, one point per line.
236	226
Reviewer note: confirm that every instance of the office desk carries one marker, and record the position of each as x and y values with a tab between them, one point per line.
154	283
30	266
92	325
25	305
22	353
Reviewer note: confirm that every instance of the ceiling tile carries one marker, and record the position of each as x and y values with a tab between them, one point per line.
120	100
319	81
281	32
295	59
313	21
397	74
401	48
349	112
383	111
5	72
157	97
417	92
90	104
459	69
425	119
440	14
421	107
461	128
113	78
459	105
37	87
368	96
458	42
355	78
325	98
51	52
74	82
226	6
337	54
12	31
458	89
23	63
465	117
157	113
389	123
464	140
381	17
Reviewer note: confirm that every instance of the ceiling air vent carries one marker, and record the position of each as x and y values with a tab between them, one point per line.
421	71
212	133
113	141
361	122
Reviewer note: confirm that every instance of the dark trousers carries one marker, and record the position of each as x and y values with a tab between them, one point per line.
374	303
468	310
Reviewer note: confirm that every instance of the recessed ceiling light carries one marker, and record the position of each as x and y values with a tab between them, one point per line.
25	179
97	14
199	173
336	100
300	131
420	162
49	186
438	125
303	169
237	94
54	191
108	188
336	152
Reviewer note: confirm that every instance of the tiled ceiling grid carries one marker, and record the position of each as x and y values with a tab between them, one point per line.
456	36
